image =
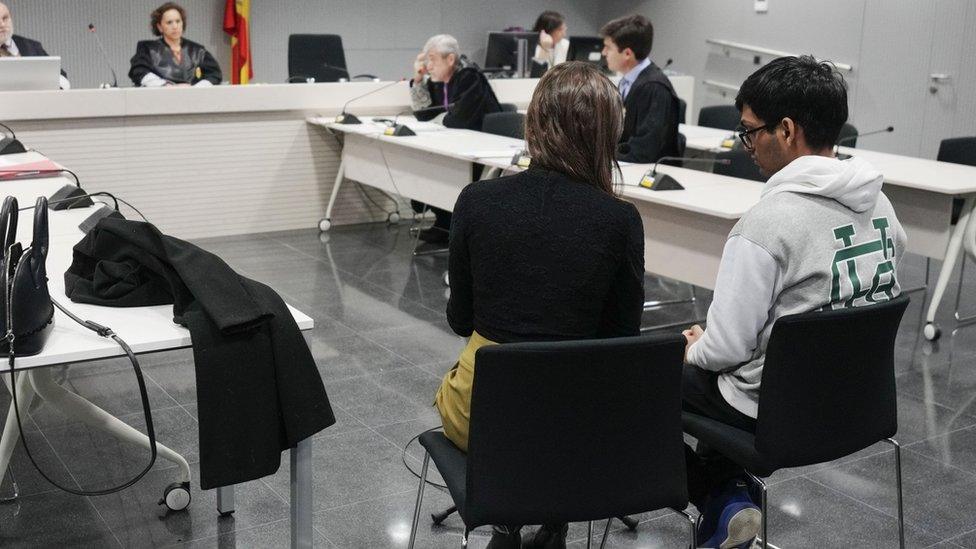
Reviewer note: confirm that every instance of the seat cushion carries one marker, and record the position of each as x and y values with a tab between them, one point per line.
451	463
733	443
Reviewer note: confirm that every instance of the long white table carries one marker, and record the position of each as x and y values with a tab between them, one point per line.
685	231
145	329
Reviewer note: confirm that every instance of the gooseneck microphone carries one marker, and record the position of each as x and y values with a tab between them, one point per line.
101	47
864	134
664	182
346	118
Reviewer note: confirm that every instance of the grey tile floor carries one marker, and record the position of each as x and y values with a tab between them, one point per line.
381	344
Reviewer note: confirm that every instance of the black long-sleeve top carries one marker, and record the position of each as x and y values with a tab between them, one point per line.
540	257
155	56
650	119
470	95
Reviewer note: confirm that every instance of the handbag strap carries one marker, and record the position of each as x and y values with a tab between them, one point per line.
40	241
8	223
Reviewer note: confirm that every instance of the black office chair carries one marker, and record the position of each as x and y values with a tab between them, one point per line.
509	124
567	432
740	165
958	150
682	111
509	107
848	135
318	56
828	390
723	117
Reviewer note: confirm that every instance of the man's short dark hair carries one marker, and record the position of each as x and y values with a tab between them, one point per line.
634	32
810	92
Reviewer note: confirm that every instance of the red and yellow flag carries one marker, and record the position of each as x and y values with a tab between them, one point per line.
237	14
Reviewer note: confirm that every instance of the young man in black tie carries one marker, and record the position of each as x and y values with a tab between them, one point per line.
650	102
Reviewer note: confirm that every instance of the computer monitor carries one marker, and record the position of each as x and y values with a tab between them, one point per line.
502	51
30	73
588	49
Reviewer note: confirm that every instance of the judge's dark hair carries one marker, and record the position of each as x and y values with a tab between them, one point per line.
549	21
633	31
574	122
810	92
156	17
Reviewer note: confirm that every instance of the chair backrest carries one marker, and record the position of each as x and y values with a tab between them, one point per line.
847	136
509	124
740	165
574	431
318	56
508	107
682	111
723	117
958	150
828	384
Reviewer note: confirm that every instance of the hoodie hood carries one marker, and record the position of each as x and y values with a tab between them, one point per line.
853	182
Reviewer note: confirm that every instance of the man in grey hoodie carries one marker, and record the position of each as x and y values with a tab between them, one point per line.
822	236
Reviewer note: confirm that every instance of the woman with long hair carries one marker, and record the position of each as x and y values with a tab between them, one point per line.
550	253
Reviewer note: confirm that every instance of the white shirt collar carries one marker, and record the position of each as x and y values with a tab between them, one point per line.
631	75
12	46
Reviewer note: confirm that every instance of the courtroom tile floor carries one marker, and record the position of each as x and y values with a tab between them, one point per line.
381	344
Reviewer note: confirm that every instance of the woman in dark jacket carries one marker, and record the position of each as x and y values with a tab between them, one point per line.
551	253
446	88
172	60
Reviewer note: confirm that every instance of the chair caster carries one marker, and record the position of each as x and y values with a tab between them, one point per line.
931	331
325	224
447	279
393	218
176	496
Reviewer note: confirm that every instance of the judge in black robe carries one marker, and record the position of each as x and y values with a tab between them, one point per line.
172	60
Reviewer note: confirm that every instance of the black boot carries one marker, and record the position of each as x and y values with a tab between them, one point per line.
505	537
549	536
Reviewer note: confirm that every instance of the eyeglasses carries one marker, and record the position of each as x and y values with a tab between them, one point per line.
746	135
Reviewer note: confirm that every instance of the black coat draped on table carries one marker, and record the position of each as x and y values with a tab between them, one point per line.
258	389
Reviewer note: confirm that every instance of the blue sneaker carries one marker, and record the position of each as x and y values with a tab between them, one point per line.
738	521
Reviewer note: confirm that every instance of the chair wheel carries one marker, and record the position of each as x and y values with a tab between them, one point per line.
393	218
325	224
176	496
931	331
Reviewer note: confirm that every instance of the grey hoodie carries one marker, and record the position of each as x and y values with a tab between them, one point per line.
823	235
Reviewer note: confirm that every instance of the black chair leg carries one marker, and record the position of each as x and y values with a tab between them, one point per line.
438	518
763	529
901	509
589	534
694	528
420	500
606	534
630	523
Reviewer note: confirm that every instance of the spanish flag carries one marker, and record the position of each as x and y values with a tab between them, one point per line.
236	16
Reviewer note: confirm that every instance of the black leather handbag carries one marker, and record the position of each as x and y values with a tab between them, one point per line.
28	316
28	313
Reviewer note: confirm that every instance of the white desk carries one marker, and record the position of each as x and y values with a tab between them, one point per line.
685	231
145	329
